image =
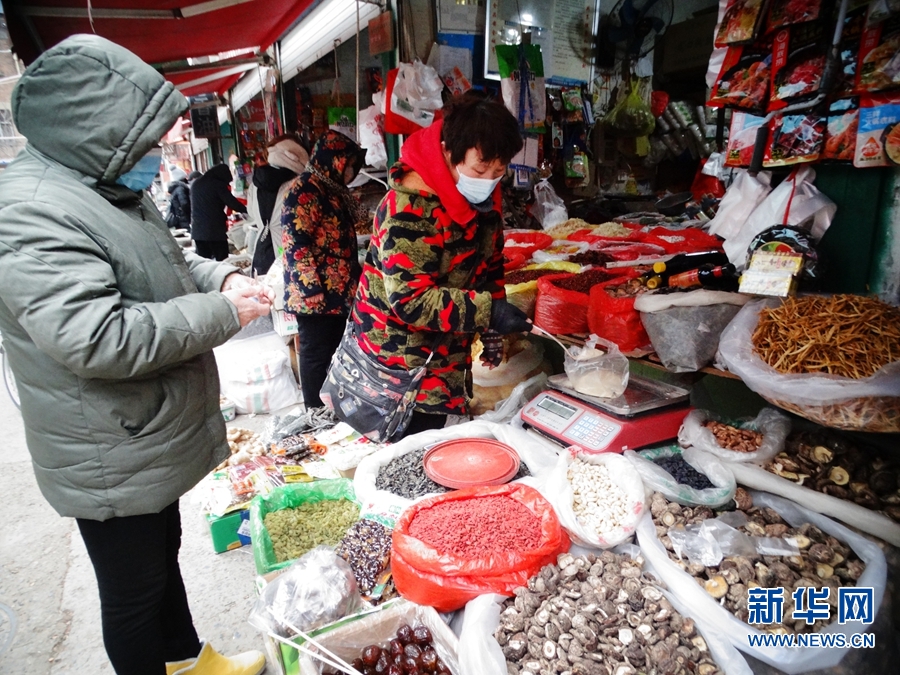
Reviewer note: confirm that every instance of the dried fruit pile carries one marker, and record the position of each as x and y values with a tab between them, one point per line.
477	527
367	549
823	560
591	257
732	438
298	530
683	473
629	289
410	652
598	614
523	276
827	463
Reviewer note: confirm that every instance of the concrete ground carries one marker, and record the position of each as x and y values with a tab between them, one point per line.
47	580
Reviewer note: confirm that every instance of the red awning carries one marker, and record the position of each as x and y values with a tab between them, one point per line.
158	31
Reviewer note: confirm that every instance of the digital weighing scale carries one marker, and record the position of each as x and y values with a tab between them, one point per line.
648	412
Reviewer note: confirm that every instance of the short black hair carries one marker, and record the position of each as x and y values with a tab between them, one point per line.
473	120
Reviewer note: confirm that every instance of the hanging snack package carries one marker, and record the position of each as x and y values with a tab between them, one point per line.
573	104
743	80
841	130
790	12
878	137
798	63
854	24
879	57
794	139
741	22
741	139
530	106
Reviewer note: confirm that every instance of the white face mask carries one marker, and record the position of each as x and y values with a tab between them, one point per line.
475	190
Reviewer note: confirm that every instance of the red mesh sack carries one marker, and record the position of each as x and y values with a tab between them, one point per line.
525	242
446	581
616	319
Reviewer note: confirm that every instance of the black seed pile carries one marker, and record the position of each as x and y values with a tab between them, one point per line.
405	476
683	472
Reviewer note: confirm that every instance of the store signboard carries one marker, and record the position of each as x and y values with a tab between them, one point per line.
381	34
205	116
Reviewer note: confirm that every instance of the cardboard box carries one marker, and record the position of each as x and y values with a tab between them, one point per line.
285	323
229	531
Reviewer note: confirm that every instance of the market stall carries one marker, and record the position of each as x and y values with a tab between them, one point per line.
690	465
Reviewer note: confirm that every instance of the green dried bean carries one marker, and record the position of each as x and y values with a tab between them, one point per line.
295	531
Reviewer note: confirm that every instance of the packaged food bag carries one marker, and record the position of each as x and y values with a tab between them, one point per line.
597	369
528	105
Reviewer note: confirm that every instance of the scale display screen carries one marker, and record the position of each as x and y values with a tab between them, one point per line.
557	407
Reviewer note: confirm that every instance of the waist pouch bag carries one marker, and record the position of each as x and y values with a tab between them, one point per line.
375	400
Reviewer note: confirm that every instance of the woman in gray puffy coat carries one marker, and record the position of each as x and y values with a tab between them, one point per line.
109	329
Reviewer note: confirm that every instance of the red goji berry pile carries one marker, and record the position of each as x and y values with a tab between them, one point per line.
478	527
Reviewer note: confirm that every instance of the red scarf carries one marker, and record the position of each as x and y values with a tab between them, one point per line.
423	154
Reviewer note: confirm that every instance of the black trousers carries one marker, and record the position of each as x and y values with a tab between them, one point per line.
214	250
424	422
319	336
143	605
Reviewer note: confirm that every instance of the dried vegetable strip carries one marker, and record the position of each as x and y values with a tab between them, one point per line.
847	335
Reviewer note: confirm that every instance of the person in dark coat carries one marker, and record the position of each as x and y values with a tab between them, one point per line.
179	205
209	197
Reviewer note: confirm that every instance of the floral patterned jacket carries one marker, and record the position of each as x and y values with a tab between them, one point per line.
429	278
319	239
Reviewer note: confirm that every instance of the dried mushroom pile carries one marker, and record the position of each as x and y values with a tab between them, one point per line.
598	615
828	464
732	438
823	560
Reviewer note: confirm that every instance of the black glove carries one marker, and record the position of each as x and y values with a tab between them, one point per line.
507	318
492	349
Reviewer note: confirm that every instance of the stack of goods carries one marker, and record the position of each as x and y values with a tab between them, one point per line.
598	613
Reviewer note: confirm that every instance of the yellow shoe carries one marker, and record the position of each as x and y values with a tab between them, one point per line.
210	662
173	667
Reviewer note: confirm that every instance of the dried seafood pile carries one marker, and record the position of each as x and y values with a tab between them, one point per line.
829	464
598	615
823	560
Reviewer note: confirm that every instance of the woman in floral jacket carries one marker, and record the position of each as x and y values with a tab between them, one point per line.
321	270
433	276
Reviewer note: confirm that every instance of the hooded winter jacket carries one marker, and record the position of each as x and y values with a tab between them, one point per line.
434	266
179	204
209	197
319	235
107	335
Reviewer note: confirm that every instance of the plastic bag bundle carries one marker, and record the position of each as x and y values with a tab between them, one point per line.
657	479
684	328
559	490
549	209
447	582
597	368
318	588
632	115
772	424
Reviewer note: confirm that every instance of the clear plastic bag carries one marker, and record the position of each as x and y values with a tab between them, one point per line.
559	491
549	209
711	616
657	479
523	392
868	404
597	369
318	588
772	424
417	93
